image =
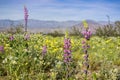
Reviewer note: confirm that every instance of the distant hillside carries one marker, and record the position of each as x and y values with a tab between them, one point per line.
38	25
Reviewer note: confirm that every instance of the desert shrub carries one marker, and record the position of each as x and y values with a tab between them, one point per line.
117	25
76	31
56	33
109	30
15	29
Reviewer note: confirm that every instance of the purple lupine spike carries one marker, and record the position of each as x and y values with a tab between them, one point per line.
86	56
67	51
85	46
87	34
44	50
26	17
1	48
27	37
25	13
11	38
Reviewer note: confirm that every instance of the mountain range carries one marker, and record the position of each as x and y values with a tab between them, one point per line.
41	25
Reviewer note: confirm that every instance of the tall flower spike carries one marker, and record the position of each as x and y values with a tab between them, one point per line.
25	17
87	34
67	51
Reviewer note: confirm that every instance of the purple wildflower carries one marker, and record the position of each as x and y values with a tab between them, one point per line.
25	13
11	38
85	47
86	56
67	51
67	58
44	50
1	48
87	34
26	17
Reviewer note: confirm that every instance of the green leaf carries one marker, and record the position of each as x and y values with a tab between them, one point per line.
94	76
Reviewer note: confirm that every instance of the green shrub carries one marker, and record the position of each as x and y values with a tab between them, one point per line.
109	30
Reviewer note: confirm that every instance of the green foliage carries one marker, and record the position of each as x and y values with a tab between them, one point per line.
56	33
109	30
117	25
76	31
23	60
16	29
106	31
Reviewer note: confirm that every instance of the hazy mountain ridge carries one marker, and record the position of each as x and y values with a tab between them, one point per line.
38	25
41	24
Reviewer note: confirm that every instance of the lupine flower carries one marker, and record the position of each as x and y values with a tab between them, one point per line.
11	38
27	37
25	13
26	17
85	46
67	58
44	50
67	51
86	56
87	34
1	48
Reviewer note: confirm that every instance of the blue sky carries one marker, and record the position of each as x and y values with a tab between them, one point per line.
61	10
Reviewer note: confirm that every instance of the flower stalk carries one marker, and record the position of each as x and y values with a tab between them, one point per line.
25	17
67	55
87	34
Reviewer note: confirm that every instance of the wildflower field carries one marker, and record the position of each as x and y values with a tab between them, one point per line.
42	57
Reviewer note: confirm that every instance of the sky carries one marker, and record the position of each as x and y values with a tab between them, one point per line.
61	10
